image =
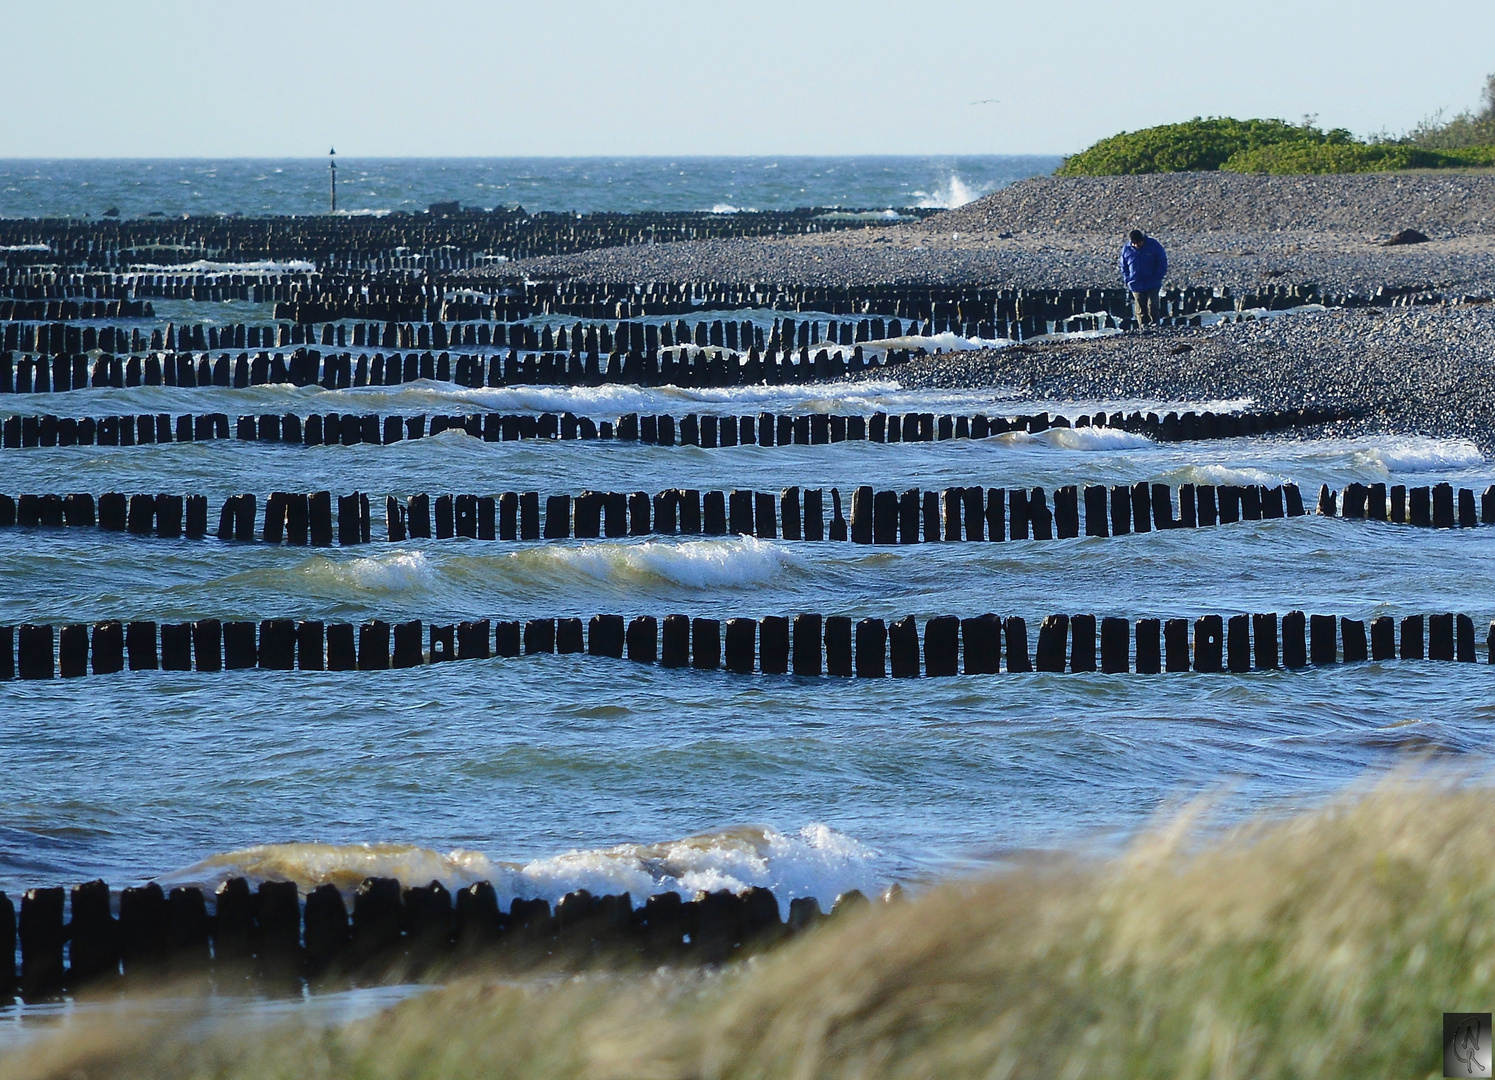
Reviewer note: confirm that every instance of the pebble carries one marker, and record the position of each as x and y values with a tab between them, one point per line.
1423	370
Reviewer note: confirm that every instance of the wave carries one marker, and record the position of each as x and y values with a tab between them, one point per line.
392	572
1414	455
1085	439
944	341
814	861
618	399
1222	475
208	266
862	397
699	564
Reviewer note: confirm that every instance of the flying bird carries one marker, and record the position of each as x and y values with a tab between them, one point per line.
987	101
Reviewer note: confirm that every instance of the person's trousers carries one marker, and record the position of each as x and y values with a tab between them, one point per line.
1145	305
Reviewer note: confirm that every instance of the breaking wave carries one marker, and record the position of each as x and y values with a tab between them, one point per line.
699	564
392	572
1414	455
815	861
1085	439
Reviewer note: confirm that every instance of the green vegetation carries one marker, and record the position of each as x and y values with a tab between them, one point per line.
1326	945
1298	157
1201	145
1275	146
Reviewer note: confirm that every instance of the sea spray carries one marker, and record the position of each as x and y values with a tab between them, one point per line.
952	193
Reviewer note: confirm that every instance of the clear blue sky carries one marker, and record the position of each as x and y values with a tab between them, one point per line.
173	78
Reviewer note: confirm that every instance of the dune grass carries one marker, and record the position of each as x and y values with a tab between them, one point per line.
1323	945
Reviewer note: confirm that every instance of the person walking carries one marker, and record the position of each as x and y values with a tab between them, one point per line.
1144	264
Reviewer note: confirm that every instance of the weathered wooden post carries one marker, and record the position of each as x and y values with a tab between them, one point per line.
871	648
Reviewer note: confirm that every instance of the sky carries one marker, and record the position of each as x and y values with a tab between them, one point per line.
379	78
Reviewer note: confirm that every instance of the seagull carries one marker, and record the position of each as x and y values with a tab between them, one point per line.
987	101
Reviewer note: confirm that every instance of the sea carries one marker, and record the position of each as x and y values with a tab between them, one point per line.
257	186
548	773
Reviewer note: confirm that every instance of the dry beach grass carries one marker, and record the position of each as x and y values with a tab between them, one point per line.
1326	944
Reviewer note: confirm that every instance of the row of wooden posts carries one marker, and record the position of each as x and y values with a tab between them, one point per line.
691	367
875	517
273	931
692	429
1439	506
373	248
45	336
806	644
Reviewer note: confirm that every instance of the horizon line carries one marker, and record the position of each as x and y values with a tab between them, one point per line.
514	157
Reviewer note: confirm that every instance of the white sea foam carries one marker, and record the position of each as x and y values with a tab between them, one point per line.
1220	475
815	861
207	266
699	564
863	397
1088	439
389	572
617	399
1393	454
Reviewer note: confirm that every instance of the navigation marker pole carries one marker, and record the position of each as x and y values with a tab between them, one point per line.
332	165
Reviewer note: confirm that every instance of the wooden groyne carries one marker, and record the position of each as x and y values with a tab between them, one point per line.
868	516
448	237
806	644
1440	506
91	934
911	516
706	430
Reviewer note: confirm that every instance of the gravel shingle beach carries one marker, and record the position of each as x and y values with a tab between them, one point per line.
1052	233
1428	370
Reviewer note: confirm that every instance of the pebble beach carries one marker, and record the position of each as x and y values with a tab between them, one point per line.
1425	370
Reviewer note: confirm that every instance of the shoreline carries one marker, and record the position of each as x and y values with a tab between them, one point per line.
1426	371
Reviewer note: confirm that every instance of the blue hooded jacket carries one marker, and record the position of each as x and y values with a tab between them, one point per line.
1144	269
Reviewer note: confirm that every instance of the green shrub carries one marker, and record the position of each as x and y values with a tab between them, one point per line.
1200	145
1306	157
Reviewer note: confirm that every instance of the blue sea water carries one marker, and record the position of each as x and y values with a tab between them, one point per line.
253	186
546	773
